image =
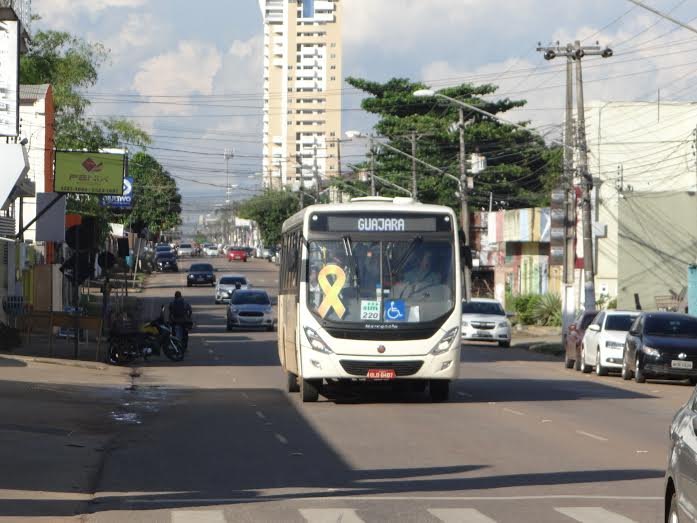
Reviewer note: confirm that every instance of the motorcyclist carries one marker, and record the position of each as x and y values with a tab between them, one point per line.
180	317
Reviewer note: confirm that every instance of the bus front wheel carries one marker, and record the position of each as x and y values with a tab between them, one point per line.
310	390
439	390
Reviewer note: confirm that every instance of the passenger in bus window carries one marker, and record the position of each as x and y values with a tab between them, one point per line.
315	292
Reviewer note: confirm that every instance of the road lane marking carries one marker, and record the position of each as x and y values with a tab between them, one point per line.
330	515
546	421
198	516
511	411
593	515
281	438
589	435
460	515
642	451
261	414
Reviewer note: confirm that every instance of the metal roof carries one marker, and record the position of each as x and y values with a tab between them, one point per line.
33	92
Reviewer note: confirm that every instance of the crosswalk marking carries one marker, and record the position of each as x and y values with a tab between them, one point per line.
593	515
198	516
460	515
330	515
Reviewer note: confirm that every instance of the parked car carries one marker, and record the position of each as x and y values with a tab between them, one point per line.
485	320
681	475
166	261
237	253
163	248
250	308
573	337
200	274
227	285
603	342
661	345
185	249
210	249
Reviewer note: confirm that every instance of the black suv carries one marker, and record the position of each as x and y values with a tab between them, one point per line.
200	274
166	261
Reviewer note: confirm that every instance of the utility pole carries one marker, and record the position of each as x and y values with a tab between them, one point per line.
576	52
315	169
227	154
414	190
372	168
464	203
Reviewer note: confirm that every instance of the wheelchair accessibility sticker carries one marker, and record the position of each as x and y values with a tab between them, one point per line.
395	310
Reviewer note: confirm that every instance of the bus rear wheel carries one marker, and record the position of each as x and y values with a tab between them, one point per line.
293	385
439	390
310	390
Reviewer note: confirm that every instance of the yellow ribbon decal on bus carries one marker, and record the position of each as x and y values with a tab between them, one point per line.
331	291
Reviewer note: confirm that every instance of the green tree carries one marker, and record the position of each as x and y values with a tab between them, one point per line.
269	210
521	168
156	198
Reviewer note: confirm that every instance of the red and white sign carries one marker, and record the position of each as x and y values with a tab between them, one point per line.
381	374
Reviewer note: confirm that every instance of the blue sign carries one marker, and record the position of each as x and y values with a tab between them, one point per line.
395	310
124	201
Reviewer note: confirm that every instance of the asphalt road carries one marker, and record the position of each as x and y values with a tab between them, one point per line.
216	438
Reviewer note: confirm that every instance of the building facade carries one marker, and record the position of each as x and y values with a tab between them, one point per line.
302	91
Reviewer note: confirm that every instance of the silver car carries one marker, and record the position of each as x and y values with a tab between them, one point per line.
227	285
681	474
250	309
485	320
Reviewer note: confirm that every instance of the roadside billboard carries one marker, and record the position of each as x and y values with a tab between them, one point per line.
9	78
89	173
125	201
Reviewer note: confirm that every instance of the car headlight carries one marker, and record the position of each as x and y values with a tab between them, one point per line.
446	341
614	344
650	351
234	309
190	276
503	325
267	310
464	323
317	343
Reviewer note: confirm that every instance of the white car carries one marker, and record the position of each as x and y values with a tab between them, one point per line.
210	249
485	320
185	249
227	284
602	347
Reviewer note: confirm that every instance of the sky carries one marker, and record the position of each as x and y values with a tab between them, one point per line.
190	73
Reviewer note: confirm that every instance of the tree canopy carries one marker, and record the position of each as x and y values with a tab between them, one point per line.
521	167
269	210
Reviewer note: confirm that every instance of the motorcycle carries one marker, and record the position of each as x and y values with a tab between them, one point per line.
151	338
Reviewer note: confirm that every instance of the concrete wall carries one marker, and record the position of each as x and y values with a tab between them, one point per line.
657	240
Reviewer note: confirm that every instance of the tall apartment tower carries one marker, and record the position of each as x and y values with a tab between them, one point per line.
302	91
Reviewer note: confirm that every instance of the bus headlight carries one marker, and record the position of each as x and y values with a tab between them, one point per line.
316	342
446	341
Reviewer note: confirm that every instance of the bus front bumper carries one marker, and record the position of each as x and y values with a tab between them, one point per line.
319	365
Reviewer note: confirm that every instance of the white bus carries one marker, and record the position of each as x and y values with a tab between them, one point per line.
370	290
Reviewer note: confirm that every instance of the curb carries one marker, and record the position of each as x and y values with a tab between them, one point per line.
58	361
547	349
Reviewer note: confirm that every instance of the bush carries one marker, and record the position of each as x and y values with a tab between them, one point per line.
547	310
524	307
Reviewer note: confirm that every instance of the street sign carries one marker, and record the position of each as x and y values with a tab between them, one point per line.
9	78
120	202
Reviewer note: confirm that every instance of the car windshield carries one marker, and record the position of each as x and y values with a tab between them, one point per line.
163	248
619	322
671	326
483	307
380	281
587	320
201	267
232	280
250	298
236	248
185	246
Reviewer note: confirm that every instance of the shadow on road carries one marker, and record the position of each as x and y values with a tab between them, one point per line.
11	362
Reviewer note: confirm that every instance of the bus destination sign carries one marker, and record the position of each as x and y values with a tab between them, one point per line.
374	223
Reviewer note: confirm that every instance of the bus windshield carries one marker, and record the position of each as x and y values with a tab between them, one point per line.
361	281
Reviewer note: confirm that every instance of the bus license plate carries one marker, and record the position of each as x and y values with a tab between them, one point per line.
677	364
381	374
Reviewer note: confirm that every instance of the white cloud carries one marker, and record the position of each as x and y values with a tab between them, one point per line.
187	70
139	31
62	14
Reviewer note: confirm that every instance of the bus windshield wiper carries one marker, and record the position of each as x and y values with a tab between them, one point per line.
348	248
403	260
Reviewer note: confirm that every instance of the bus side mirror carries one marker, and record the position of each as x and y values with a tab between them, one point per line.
466	256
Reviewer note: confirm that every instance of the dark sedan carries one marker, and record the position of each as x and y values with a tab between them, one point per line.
661	345
681	474
166	261
200	274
